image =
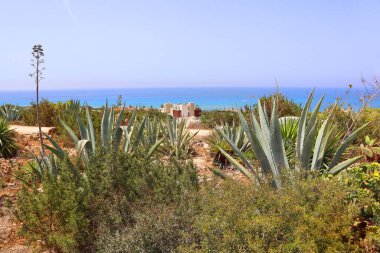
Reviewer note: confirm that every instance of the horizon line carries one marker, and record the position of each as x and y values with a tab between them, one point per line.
176	87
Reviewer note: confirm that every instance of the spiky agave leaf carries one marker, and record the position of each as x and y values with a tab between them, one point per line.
179	137
343	165
338	154
321	141
8	145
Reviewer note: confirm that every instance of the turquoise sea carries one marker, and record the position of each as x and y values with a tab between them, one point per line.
207	98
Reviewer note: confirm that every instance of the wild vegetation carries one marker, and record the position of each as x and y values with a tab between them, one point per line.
121	180
8	145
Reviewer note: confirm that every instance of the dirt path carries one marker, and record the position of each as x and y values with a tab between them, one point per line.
29	130
202	134
202	158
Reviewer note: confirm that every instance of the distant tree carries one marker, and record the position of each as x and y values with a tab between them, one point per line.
37	61
119	100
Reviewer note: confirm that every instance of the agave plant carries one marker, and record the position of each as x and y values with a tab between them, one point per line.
8	145
289	128
179	137
39	169
154	132
72	105
112	135
268	144
234	133
9	112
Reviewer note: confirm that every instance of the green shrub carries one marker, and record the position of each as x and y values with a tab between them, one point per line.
57	211
48	115
8	145
304	216
71	207
215	117
156	228
364	184
286	106
373	131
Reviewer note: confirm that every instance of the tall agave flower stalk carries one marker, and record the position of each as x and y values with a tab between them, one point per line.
266	139
113	135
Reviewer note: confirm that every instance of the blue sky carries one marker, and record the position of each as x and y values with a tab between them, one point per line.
119	43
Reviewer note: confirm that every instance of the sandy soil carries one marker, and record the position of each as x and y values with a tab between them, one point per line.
29	130
202	134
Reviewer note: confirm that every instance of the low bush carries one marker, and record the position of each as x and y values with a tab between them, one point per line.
156	228
213	118
76	210
373	131
48	115
364	183
57	212
285	106
310	215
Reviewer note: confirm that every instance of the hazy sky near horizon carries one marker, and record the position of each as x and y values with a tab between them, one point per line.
120	43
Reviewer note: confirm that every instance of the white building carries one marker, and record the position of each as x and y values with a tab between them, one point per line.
181	110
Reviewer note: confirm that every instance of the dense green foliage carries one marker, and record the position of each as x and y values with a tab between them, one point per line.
285	106
48	114
305	216
131	188
364	183
214	118
125	204
71	211
8	145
